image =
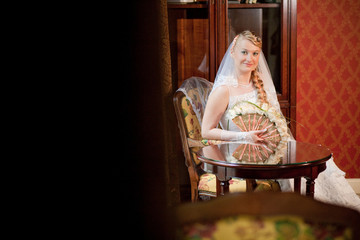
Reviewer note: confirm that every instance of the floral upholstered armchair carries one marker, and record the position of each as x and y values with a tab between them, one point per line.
194	93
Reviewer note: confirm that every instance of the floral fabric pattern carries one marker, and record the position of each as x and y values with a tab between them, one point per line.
192	124
265	227
207	184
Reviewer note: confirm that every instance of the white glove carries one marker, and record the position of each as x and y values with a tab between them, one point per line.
251	136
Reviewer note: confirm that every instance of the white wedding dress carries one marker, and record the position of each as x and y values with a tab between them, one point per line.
330	186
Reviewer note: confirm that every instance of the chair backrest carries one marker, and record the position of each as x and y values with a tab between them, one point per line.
192	94
267	215
197	91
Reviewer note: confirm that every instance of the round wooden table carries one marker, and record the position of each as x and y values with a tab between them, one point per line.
294	160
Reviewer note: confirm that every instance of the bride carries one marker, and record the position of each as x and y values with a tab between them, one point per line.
244	75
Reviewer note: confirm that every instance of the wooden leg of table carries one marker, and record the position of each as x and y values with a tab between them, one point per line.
223	179
224	187
310	187
218	187
297	185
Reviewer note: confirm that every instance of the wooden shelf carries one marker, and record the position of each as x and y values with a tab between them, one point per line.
256	5
187	5
231	5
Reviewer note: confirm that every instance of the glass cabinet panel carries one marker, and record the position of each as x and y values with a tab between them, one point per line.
265	21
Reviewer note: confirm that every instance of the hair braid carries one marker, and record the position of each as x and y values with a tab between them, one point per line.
258	83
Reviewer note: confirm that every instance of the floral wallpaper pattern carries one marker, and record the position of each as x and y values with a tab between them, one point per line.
328	78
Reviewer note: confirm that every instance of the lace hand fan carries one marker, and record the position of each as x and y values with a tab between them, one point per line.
250	117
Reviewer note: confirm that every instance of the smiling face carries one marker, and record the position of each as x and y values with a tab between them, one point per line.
246	55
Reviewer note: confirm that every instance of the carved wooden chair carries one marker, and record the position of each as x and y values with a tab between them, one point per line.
266	215
202	184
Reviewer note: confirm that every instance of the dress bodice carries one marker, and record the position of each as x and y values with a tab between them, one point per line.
225	122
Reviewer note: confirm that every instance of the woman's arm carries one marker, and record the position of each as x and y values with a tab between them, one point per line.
214	110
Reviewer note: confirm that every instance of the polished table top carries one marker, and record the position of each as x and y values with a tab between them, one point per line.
288	159
261	155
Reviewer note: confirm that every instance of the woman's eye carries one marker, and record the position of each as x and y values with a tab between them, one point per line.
244	52
256	53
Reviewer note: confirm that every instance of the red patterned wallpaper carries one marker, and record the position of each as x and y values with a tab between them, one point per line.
328	78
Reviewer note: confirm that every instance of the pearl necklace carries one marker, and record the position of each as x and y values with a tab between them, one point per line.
245	85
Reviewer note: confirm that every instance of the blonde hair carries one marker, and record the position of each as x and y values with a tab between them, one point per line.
255	76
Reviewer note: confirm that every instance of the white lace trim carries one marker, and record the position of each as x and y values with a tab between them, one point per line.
330	187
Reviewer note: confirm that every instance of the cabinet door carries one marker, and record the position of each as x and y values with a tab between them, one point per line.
265	21
192	40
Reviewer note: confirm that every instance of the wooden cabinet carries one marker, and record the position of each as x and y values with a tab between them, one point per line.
201	32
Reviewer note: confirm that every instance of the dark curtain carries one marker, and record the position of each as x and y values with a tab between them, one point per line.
170	128
144	183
